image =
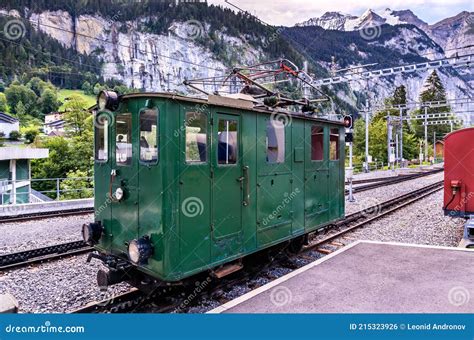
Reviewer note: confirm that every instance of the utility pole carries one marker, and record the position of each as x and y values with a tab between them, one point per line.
396	147
401	137
434	147
426	133
350	175
366	169
388	138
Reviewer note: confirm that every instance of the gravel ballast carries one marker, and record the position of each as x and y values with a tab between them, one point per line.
57	287
37	233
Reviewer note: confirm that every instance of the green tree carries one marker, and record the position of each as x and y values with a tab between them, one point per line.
3	103
87	88
57	165
30	132
20	93
49	101
15	135
400	96
38	86
76	185
433	90
76	115
20	110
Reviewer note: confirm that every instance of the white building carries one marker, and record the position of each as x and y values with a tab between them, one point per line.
54	124
8	124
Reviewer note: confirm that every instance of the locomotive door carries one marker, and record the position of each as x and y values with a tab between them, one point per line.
316	175
125	176
195	188
227	186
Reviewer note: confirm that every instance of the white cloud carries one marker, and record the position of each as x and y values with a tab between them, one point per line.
289	12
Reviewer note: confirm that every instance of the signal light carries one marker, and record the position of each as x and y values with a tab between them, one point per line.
349	137
348	122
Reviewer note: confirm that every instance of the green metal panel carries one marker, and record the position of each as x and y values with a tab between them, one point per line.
336	178
274	187
125	213
298	191
226	217
150	187
194	188
316	181
249	156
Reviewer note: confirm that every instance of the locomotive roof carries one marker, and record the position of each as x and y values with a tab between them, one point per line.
225	102
465	130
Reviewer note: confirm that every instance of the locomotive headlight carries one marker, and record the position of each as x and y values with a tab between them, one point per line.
118	194
107	100
92	232
140	250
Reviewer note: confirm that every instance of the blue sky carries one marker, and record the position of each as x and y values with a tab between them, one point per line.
289	12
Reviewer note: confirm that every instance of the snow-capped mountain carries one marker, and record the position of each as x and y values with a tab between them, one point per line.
348	22
451	33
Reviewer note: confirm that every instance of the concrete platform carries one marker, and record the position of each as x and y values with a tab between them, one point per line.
32	208
370	277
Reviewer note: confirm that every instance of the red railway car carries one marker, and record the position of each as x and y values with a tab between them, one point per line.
459	173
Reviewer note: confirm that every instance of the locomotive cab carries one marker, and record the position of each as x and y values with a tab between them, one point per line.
186	186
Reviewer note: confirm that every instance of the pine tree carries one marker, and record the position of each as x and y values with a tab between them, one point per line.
433	91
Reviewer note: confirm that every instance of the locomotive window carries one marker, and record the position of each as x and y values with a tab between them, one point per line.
149	136
317	143
275	141
123	139
196	137
228	145
101	139
334	145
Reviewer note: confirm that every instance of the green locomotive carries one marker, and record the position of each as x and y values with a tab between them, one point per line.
185	185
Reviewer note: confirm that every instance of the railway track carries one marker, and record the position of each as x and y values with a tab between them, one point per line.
171	297
39	255
383	181
45	214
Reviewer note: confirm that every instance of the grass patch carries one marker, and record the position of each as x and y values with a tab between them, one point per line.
63	94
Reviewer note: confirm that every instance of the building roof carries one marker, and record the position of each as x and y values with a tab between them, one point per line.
55	123
7	118
8	153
